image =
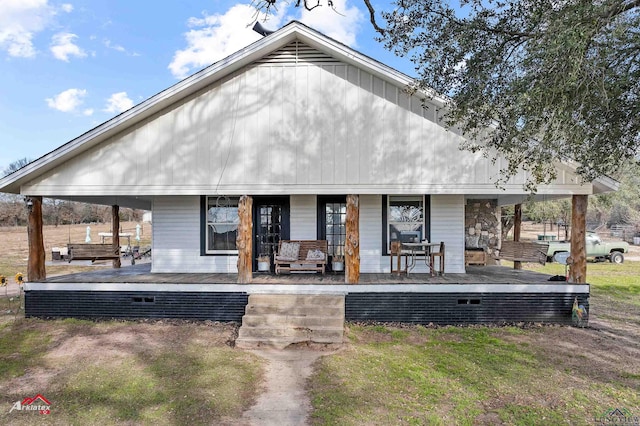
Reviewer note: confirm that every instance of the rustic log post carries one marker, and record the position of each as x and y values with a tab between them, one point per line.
352	241
115	227
35	265
244	240
517	225
578	266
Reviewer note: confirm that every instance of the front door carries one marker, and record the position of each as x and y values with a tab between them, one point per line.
332	224
270	225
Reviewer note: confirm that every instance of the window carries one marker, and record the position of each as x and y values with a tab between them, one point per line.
222	224
405	219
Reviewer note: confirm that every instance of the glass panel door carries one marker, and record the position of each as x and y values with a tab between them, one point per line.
336	227
332	224
271	224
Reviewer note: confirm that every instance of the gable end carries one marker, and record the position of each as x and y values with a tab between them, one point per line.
297	52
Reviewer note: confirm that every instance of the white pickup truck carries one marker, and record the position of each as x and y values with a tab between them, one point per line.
596	249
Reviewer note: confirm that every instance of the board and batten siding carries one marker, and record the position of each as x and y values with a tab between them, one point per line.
278	127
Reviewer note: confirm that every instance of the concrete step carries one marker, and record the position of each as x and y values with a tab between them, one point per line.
255	343
279	320
250	343
312	311
273	320
288	300
297	334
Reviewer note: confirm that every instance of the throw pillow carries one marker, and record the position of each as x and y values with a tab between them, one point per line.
289	251
315	255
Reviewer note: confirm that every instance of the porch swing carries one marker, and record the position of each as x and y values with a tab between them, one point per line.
523	251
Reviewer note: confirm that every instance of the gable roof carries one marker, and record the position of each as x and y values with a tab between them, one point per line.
261	50
293	31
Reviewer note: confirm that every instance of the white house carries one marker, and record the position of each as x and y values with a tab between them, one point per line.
296	121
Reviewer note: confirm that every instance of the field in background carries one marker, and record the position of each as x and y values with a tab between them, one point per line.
14	249
530	231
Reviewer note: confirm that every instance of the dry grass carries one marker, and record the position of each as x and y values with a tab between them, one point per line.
116	372
123	372
15	249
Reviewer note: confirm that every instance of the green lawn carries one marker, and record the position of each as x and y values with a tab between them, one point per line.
540	375
452	375
620	282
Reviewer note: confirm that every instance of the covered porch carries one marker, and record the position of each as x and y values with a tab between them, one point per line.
490	294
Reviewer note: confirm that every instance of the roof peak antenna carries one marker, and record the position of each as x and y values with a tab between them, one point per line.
261	30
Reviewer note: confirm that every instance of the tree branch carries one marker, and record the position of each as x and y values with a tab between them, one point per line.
372	17
619	9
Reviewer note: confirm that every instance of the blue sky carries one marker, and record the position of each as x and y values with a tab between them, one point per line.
68	66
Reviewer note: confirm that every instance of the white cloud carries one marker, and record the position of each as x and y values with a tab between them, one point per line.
215	37
118	102
88	112
20	20
62	47
110	45
67	101
343	26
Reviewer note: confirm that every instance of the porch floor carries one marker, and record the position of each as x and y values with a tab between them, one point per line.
142	274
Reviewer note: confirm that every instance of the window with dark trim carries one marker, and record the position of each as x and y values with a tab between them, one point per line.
220	224
405	218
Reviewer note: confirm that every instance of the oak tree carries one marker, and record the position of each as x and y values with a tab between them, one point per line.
534	81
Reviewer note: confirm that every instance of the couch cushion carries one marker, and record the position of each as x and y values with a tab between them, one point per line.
315	255
289	251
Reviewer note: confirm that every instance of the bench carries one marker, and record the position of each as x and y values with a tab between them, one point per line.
311	255
521	251
92	252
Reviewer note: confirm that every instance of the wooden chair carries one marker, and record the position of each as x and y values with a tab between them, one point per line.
432	260
396	250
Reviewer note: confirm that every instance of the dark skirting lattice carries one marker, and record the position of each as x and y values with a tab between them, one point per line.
462	308
136	304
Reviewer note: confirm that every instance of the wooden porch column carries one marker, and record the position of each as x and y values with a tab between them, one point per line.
35	265
115	231
578	266
244	240
517	226
352	242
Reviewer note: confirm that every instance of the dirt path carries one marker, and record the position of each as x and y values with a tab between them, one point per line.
284	400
